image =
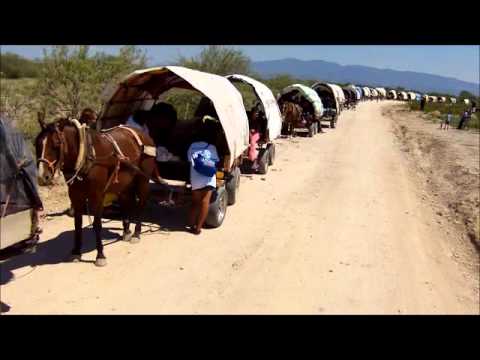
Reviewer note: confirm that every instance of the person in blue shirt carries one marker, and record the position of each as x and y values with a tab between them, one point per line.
202	186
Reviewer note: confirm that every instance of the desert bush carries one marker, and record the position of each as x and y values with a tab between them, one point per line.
72	79
220	60
437	112
16	103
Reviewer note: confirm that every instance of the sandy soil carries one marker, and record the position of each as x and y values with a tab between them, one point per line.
337	226
447	164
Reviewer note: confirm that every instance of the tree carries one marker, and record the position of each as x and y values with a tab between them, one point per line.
15	99
279	82
71	79
466	95
220	60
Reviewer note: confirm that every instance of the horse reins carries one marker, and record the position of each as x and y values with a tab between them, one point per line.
54	165
80	163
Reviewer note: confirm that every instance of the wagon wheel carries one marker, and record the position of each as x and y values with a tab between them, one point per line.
233	186
311	130
263	162
218	208
271	154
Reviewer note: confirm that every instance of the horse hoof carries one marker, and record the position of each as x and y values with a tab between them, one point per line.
135	240
76	258
101	262
127	236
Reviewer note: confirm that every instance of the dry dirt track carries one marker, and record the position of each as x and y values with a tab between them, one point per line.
336	227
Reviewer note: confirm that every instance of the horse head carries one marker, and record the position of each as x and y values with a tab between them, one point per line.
50	147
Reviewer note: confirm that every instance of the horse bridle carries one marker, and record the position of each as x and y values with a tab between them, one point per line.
56	164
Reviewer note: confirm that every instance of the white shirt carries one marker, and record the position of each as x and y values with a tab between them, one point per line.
198	180
132	123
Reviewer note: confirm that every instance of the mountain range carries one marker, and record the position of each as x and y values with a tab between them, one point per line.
332	72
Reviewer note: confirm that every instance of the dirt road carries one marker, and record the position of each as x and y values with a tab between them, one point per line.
336	226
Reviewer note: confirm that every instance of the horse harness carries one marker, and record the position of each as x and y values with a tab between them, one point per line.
121	158
87	157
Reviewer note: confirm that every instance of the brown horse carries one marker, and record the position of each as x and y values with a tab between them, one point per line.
95	163
292	115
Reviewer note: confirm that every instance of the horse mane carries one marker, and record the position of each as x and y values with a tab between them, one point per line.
61	122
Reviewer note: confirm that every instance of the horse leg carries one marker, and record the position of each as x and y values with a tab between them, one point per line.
77	247
127	234
126	206
101	260
143	192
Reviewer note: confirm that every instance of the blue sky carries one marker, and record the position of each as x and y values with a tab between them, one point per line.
461	62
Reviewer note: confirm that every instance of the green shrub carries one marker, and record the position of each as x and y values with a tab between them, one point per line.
438	111
13	66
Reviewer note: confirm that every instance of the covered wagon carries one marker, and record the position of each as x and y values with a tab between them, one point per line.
392	95
339	94
366	92
381	92
350	96
326	92
145	89
358	91
267	117
19	197
311	104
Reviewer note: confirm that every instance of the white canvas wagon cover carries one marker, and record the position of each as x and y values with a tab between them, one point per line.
311	96
366	91
381	91
393	93
357	90
140	90
338	93
332	89
272	112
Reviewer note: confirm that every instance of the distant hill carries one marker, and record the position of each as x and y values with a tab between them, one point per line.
356	74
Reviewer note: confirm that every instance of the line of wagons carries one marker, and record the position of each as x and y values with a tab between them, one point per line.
219	97
412	96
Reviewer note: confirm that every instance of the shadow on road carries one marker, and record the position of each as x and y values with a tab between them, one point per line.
53	251
4	308
58	250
